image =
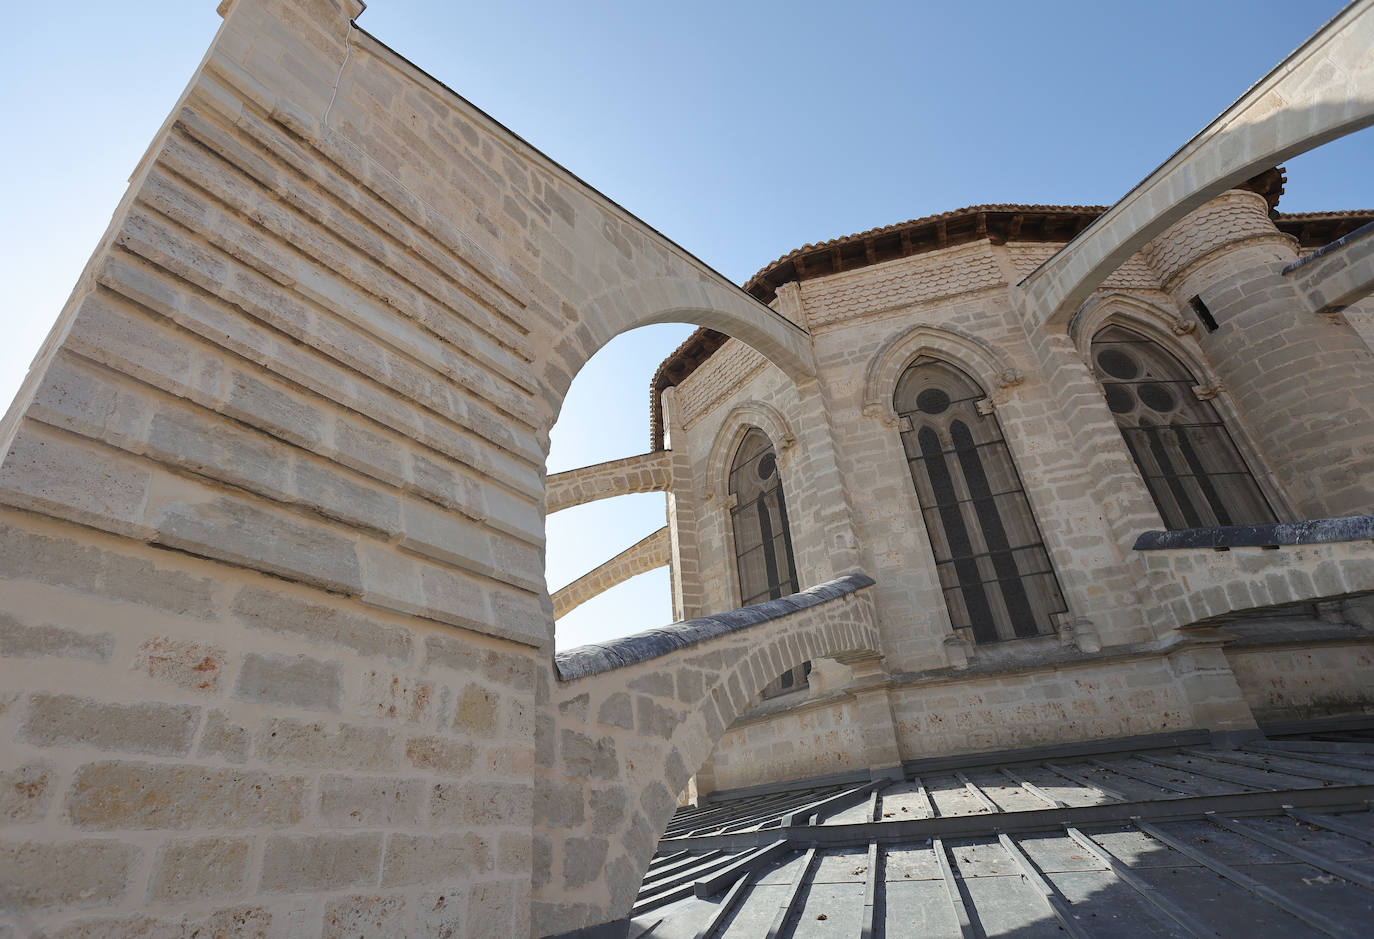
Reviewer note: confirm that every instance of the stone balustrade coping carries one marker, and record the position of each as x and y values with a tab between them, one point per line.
1308	531
1364	231
594	658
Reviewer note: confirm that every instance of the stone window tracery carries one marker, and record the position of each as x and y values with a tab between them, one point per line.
763	540
991	560
1180	444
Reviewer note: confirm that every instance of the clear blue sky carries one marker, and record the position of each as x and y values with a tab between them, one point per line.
742	130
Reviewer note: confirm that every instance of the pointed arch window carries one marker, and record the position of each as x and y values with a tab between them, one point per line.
763	540
1192	467
991	560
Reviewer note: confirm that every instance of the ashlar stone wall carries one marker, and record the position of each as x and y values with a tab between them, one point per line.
275	630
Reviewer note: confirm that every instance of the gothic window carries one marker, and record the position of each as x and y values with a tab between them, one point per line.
763	542
993	567
1190	463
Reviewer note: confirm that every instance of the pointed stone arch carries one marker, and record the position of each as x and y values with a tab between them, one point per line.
1151	320
989	367
638	716
737	423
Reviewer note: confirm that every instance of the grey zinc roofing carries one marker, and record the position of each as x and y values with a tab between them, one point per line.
1177	836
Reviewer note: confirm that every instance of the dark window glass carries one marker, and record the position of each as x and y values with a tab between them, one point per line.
1190	464
989	555
763	541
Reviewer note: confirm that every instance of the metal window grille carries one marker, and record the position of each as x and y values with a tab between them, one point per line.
763	538
1188	459
989	555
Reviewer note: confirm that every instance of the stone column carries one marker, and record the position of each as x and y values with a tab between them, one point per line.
684	508
870	690
1211	690
1303	383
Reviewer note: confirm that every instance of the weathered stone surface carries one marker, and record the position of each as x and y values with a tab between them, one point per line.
583	757
557	805
296	681
583	859
617	710
655	719
368	915
351	746
370	802
153	729
608	808
496	909
241	922
440	755
439	914
223	738
26	792
203	869
476	802
72	874
192	666
108	796
298	863
18	640
398	697
477	711
235	531
433	859
279	612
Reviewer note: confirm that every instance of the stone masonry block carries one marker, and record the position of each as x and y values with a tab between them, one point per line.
113	795
234	921
440	755
617	710
398	697
369	915
583	757
477	711
198	870
295	681
76	481
352	746
192	666
655	720
279	612
434	859
371	802
557	805
63	876
439	914
497	909
30	642
238	532
68	563
224	738
475	802
154	729
583	859
26	792
608	808
304	863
